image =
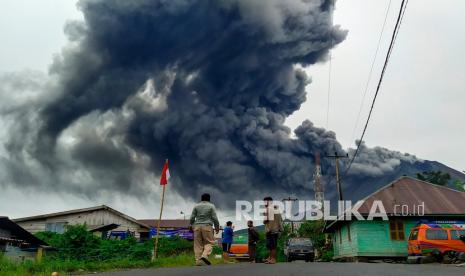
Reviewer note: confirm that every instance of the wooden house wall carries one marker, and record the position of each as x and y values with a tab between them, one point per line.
90	218
370	239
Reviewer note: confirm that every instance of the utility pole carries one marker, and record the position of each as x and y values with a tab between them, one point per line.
292	200
317	185
336	157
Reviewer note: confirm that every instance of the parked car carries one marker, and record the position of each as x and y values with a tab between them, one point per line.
239	247
436	239
299	249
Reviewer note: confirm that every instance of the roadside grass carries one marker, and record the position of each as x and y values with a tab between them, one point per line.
65	267
78	251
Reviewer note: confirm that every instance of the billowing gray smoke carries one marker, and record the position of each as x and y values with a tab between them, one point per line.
207	84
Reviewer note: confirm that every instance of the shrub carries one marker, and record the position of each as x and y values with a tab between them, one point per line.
80	245
174	246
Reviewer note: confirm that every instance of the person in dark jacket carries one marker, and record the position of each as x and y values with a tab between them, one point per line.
273	228
253	239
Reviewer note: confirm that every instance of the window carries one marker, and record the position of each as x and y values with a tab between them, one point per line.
348	232
414	235
455	234
396	228
57	227
436	234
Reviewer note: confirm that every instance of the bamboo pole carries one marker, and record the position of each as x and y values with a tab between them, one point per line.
155	247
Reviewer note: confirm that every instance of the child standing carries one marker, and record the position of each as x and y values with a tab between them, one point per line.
227	239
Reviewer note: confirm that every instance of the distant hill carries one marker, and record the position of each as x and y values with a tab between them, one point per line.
260	228
356	188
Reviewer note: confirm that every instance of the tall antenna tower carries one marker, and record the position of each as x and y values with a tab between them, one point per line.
318	185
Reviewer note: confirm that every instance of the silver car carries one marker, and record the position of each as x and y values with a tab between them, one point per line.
299	249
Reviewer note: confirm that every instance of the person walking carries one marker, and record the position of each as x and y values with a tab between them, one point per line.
253	239
202	219
273	227
228	234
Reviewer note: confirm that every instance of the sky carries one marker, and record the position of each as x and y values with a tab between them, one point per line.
419	109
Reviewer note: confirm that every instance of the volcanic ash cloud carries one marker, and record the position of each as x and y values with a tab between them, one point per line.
207	84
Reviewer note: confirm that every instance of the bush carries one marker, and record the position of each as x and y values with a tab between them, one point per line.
327	255
79	250
80	245
174	246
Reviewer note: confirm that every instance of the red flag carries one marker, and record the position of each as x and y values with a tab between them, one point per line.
165	174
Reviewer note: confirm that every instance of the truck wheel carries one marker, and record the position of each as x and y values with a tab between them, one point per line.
437	255
289	259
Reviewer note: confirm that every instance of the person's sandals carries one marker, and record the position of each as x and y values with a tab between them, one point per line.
205	260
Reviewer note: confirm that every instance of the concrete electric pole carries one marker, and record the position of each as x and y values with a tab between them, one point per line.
336	157
317	184
291	200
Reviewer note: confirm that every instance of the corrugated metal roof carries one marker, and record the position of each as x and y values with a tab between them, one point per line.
438	201
101	228
411	192
167	223
18	233
84	210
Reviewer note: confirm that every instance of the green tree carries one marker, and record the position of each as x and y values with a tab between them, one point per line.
435	177
459	185
314	231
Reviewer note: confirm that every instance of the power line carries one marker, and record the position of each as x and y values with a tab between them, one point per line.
370	73
403	7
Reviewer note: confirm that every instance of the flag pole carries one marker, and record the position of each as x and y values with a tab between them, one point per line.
155	246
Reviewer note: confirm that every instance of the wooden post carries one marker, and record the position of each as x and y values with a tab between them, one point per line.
155	247
39	255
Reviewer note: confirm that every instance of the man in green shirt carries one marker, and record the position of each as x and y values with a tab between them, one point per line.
202	219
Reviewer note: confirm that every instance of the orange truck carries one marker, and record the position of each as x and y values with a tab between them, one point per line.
240	247
436	239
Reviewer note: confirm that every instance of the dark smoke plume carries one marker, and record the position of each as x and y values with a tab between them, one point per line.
205	83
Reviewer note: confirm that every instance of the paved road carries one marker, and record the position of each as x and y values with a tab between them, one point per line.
302	268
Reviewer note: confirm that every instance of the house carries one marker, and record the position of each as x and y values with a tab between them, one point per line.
17	243
170	227
407	201
101	220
